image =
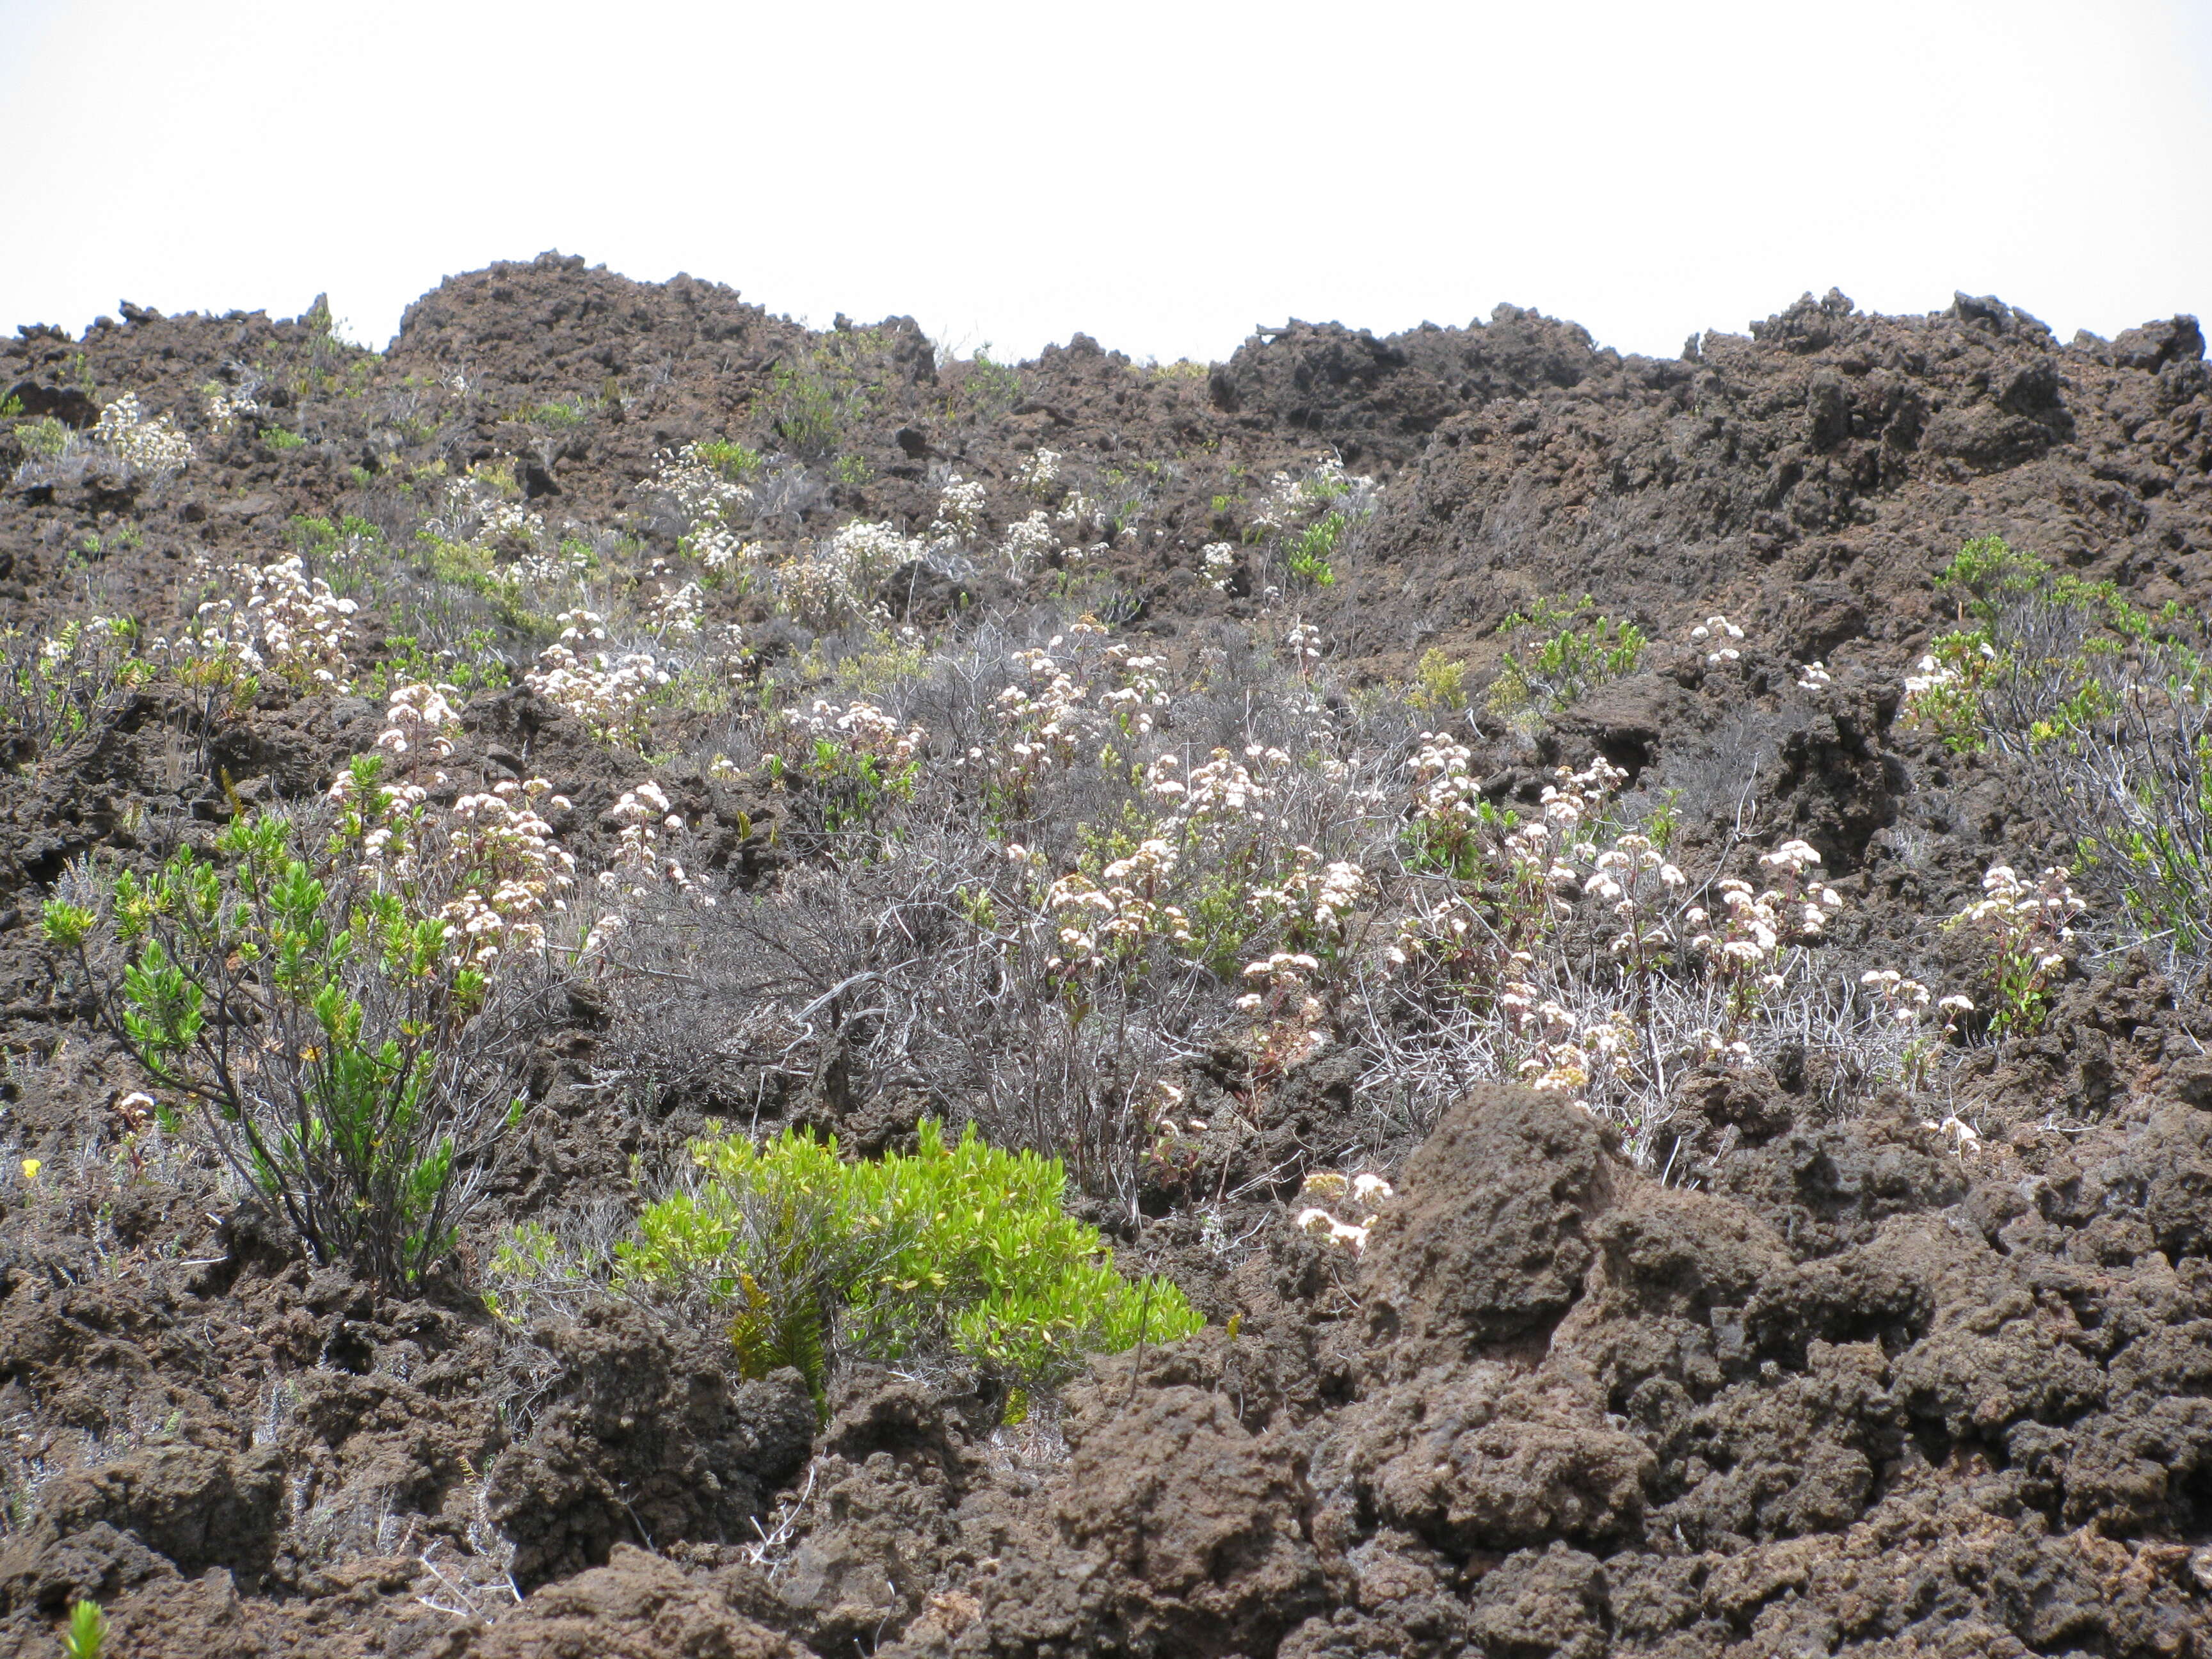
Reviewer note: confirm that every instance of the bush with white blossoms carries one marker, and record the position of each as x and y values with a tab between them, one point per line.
2028	924
1028	543
607	691
1038	475
419	720
960	508
277	618
832	583
1721	638
154	447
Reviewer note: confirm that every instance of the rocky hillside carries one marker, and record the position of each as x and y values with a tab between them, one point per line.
1480	854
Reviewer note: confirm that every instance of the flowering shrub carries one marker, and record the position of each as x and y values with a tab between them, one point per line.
607	692
287	623
833	584
2106	709
49	691
1308	517
152	447
693	485
2027	926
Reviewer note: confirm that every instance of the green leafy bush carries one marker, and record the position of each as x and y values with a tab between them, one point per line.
1309	550
1553	658
349	1003
280	439
45	438
960	1248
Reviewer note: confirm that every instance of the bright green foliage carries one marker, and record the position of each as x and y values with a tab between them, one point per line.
1553	659
354	1052
86	1636
474	665
280	440
962	1247
1310	549
733	461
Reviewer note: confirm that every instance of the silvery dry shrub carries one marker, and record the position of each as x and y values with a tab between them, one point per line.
347	995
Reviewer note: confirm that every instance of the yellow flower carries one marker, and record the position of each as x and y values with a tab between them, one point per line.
31	1168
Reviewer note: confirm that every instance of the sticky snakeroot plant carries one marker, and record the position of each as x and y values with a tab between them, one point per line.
957	1250
347	995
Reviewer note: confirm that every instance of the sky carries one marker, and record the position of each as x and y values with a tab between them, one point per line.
1164	175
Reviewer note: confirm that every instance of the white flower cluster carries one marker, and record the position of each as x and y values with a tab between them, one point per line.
861	729
1093	923
155	446
1719	635
1303	642
1217	561
1548	845
1143	690
484	509
1037	474
706	506
420	719
2030	920
608	694
675	614
1363	1194
1311	899
1749	936
1907	1000
289	622
1221	794
834	582
514	870
645	815
1292	497
960	505
1815	677
225	405
1028	543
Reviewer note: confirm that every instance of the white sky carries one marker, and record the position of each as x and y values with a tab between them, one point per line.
1162	175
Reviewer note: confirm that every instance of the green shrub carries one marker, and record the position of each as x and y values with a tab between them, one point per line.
281	439
1553	659
51	688
350	1004
44	437
1309	550
733	461
963	1249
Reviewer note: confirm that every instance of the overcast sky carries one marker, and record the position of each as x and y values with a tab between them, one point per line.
1163	176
